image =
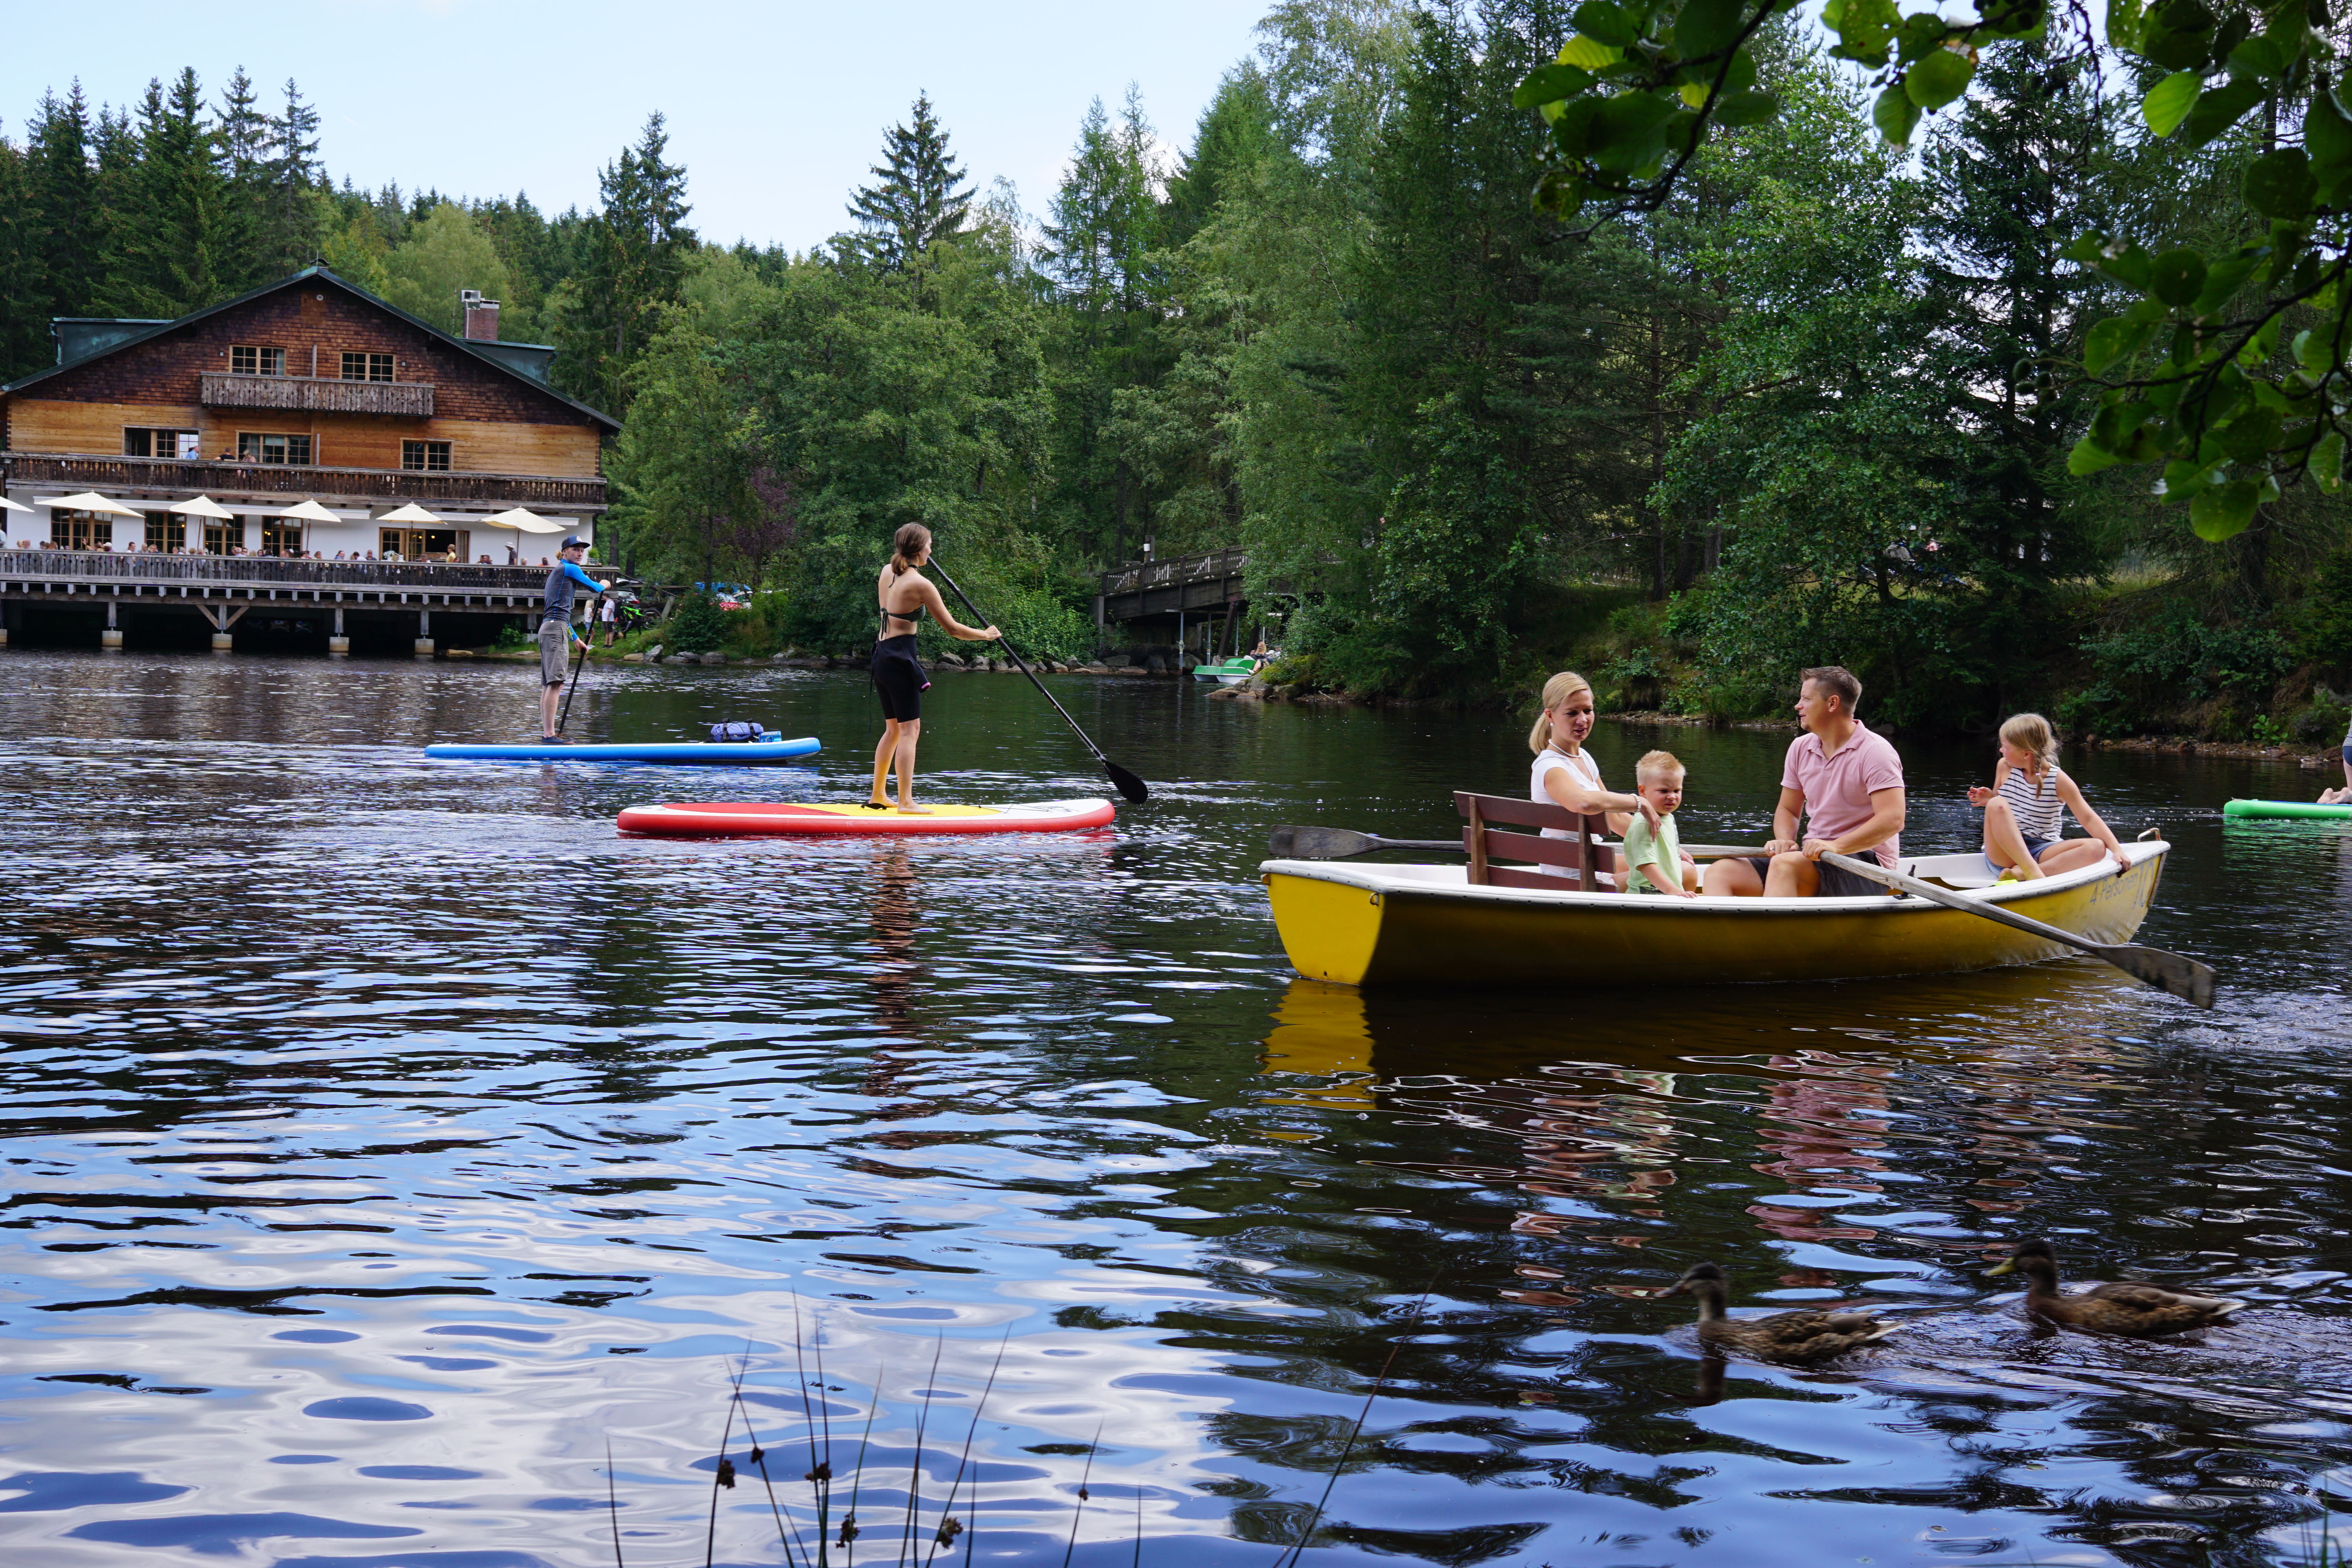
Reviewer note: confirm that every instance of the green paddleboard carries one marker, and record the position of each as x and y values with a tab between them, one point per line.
2302	808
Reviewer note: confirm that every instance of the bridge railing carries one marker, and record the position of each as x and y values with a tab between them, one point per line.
1177	571
249	571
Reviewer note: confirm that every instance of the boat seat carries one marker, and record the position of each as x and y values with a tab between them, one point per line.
1581	854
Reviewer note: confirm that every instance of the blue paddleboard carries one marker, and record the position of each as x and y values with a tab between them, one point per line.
735	755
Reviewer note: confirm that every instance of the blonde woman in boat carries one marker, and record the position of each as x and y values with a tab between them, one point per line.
2024	808
1564	773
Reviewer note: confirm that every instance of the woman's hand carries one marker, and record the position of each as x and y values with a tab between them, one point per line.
1649	813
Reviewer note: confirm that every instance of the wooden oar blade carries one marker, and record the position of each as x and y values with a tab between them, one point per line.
2183	977
1318	843
1125	783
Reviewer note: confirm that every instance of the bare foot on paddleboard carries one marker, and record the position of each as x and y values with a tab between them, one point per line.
915	810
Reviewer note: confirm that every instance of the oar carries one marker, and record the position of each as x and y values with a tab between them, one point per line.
1127	783
577	665
1339	843
2183	977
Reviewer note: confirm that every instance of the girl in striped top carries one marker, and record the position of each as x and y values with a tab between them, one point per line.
2024	808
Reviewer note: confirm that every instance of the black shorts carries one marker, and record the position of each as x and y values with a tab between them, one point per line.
898	680
1837	882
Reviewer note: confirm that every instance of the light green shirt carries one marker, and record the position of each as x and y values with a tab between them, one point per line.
1641	850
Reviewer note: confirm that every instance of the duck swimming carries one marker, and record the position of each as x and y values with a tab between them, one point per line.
2136	1311
1814	1334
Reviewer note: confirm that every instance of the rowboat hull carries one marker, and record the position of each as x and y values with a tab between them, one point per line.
1427	926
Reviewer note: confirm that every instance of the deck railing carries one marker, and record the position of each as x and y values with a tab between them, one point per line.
262	570
315	394
360	485
1177	571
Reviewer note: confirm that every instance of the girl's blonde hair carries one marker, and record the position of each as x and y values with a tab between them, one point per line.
911	540
2032	733
1555	690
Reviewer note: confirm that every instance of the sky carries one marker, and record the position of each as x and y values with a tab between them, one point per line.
776	110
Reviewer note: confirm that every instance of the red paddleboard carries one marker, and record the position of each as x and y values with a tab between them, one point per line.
751	818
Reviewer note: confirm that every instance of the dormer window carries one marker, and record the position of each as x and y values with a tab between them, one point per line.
245	359
367	367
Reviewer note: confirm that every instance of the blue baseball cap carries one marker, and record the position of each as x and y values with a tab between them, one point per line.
572	541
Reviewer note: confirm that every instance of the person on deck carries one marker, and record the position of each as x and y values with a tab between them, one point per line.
1564	773
1847	784
906	596
556	636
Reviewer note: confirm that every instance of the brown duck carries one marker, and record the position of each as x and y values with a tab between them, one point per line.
1810	1335
2137	1312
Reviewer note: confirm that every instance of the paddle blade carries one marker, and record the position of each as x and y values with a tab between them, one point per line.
2183	977
1318	843
1125	783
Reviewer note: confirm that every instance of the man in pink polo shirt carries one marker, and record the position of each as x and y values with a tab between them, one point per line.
1848	785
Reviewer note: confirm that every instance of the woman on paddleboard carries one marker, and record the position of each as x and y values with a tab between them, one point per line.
907	596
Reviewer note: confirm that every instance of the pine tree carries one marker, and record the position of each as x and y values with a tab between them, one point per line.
1105	222
168	244
65	194
242	130
914	202
291	215
24	280
1236	133
633	258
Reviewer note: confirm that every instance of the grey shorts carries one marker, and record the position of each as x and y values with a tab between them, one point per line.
555	653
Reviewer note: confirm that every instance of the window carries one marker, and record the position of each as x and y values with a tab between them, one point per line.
263	446
152	443
423	544
246	360
424	456
165	531
281	536
222	534
367	367
80	530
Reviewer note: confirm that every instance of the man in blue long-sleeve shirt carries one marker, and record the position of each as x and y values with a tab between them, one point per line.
556	634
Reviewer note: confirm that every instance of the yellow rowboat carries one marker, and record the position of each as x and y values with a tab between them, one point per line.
1426	925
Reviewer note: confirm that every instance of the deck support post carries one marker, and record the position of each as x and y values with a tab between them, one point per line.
110	639
424	633
338	644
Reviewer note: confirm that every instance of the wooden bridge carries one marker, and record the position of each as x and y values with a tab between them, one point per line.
76	588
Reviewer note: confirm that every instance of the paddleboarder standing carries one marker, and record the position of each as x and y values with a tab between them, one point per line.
906	596
556	636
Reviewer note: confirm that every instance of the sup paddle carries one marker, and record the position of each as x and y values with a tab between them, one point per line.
1127	783
577	665
2183	977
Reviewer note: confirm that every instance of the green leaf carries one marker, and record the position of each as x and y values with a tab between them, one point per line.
2087	458
2250	436
2177	277
1942	77
2288	242
2261	346
1738	108
2167	102
1559	193
2220	108
2326	461
1922	31
2224	511
2124	22
2115	338
1588	54
1608	23
2279	184
1864	28
2328	137
1682	131
2030	25
1708	27
2226	277
1628	132
2113	427
2313	351
1894	115
2177	36
1550	84
1571	133
2262	58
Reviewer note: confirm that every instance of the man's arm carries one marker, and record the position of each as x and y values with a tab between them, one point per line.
572	569
1784	820
1885	822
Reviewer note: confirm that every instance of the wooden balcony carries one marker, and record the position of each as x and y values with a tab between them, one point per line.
126	478
64	572
316	395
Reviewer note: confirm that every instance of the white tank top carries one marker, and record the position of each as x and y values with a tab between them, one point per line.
1584	767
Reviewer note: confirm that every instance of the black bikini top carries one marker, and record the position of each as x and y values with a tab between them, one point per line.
909	616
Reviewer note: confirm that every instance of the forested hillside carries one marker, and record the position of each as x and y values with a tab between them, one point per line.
1817	407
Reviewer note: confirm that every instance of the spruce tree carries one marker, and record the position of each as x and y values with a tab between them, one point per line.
291	216
23	279
168	244
242	130
633	258
65	195
914	201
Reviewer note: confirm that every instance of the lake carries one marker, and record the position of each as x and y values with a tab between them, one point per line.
405	1169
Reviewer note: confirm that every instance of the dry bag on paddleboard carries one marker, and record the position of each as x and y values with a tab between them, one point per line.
734	733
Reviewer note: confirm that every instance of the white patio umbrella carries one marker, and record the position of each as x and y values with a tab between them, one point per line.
88	501
307	510
522	521
203	506
7	505
410	512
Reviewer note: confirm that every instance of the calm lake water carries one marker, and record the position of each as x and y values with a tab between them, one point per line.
389	1142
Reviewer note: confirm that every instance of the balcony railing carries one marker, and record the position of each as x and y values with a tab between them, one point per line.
316	395
266	572
358	487
1178	572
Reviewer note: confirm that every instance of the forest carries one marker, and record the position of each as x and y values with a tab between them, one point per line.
1821	398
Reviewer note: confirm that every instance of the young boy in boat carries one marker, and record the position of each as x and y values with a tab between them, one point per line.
1845	783
2024	808
1652	861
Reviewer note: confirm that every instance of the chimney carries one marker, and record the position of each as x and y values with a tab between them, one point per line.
481	316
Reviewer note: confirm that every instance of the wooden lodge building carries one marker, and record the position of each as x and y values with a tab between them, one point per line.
310	390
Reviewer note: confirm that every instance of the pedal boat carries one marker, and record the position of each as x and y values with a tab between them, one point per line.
1419	925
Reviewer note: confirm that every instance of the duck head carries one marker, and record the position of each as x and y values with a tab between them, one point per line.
2035	1258
1706	1281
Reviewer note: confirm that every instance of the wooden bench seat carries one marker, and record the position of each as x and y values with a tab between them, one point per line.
1582	855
